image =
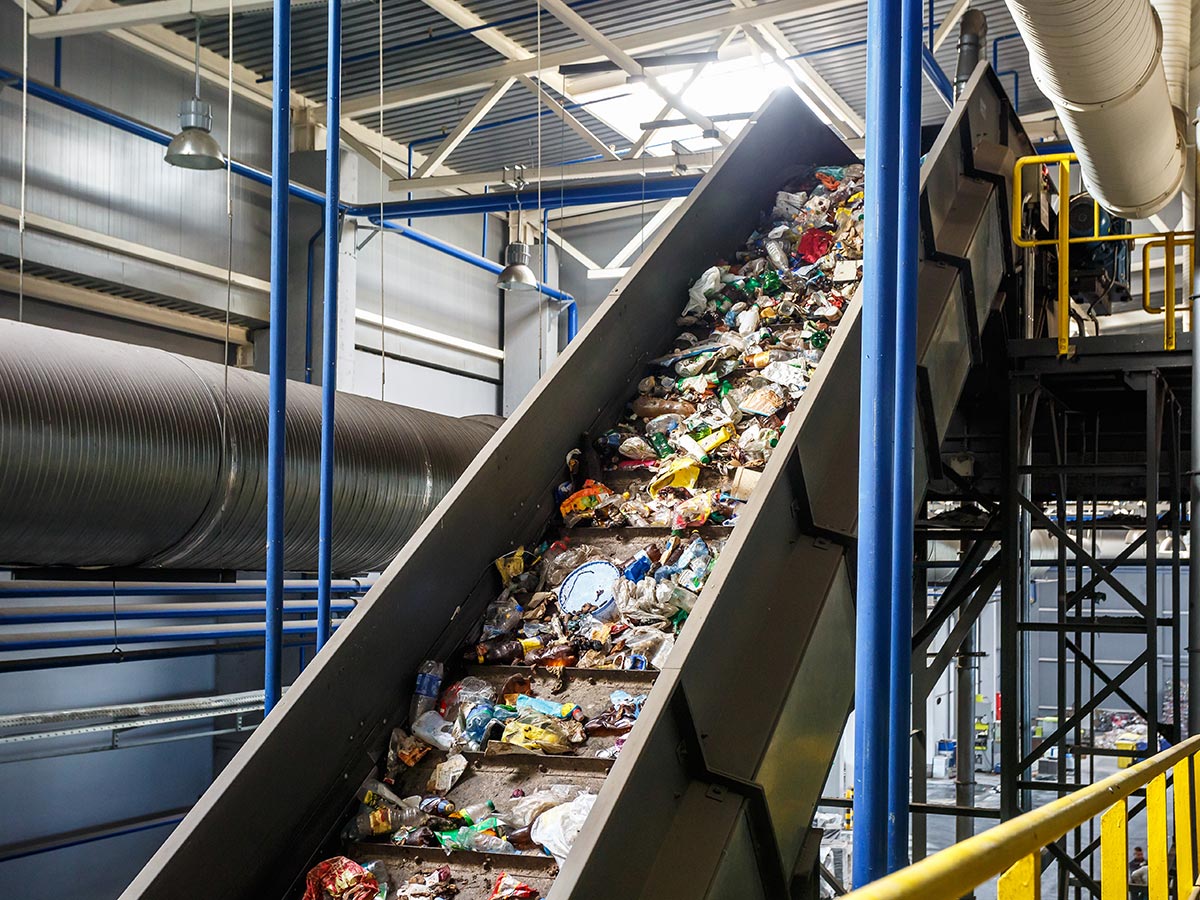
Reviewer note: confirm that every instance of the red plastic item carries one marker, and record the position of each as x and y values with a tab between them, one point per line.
509	887
341	878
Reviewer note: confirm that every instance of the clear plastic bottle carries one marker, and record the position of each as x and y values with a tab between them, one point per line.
375	793
475	812
502	617
373	821
428	686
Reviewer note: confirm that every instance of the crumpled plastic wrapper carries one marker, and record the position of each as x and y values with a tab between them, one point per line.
339	878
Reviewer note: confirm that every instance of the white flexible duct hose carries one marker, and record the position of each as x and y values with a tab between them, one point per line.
1176	19
1099	62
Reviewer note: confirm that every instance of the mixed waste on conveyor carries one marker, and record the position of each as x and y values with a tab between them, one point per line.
486	790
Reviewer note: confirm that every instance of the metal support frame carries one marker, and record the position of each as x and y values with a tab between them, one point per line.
1057	457
905	387
329	320
280	147
875	451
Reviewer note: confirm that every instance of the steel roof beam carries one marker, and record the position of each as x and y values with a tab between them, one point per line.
571	122
577	23
645	40
464	127
475	181
154	12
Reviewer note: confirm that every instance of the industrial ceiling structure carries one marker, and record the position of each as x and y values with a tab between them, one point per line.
628	87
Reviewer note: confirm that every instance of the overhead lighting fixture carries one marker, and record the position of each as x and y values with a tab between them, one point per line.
195	147
517	276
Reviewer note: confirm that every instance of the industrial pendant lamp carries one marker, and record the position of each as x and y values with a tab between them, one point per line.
195	147
517	276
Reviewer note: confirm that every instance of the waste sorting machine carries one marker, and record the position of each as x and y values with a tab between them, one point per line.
714	790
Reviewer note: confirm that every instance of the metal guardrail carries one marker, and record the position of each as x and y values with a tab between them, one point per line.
1061	163
1013	849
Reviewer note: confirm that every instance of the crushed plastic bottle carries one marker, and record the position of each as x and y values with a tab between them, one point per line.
428	686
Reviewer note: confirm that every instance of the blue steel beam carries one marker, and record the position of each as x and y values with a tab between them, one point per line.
12	642
876	436
35	615
936	76
18	590
909	227
139	129
277	404
464	255
333	102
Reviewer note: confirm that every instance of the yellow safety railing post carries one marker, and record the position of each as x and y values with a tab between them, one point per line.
1182	791
1169	291
1064	256
1023	881
1156	835
1114	853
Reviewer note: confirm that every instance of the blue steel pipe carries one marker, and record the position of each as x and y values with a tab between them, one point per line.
104	613
579	195
139	129
466	256
104	637
876	435
277	402
166	589
936	76
333	104
909	227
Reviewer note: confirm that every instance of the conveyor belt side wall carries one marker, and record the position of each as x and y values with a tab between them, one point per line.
763	671
766	664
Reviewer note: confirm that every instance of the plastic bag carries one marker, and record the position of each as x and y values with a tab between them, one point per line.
526	809
557	828
747	321
340	878
640	600
680	472
404	750
463	695
707	283
537	733
502	617
693	512
434	730
637	447
651	643
509	887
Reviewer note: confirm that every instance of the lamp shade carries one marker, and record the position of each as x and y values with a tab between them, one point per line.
195	147
517	276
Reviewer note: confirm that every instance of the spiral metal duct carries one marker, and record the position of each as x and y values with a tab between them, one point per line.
115	455
1100	62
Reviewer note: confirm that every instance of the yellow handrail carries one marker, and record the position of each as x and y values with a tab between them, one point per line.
1013	849
1061	162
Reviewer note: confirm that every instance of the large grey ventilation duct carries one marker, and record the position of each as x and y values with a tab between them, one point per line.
972	38
111	455
1100	63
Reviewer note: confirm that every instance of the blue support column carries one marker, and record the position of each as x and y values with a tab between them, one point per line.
280	144
876	434
900	688
333	107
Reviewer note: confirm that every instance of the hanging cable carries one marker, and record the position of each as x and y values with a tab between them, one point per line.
541	311
382	186
24	158
228	210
